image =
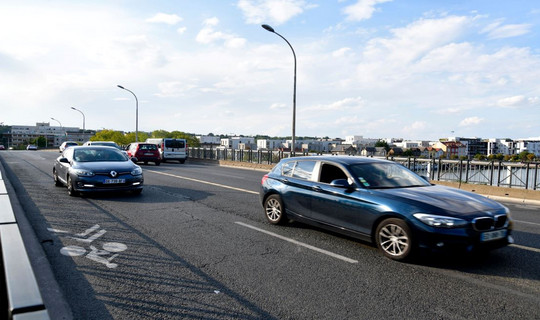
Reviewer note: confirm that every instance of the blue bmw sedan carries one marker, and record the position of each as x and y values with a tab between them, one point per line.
382	202
97	168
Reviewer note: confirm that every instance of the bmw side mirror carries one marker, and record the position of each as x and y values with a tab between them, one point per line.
63	160
341	183
425	178
134	160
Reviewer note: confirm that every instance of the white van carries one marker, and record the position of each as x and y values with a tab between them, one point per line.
171	149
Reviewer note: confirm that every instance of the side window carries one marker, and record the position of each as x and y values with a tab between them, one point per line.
288	168
68	154
304	169
330	173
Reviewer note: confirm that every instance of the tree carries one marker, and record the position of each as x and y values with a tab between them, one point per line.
384	144
41	142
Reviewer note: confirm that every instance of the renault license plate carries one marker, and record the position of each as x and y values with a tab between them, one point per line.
114	181
493	235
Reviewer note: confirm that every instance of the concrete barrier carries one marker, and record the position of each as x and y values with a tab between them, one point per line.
22	294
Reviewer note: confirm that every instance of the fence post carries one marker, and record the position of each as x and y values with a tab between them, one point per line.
535	176
439	170
467	171
499	174
527	177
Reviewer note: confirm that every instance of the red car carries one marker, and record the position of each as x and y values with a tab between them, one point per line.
145	152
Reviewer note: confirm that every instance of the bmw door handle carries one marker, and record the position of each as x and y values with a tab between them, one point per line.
316	188
284	180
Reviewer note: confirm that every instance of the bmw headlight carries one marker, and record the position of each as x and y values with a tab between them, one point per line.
83	172
136	172
440	221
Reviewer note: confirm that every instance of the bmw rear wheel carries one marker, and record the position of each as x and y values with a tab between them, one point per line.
393	237
274	210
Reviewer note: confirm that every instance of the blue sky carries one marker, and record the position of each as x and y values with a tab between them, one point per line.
375	68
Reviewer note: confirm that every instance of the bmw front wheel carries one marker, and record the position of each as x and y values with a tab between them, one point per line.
274	210
393	237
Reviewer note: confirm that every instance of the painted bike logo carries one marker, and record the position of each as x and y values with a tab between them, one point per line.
105	256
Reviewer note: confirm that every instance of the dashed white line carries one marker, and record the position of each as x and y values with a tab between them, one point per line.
525	248
205	182
334	255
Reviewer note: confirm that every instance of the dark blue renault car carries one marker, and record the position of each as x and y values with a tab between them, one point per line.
383	202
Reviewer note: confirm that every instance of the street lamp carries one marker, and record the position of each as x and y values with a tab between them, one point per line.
61	127
136	113
270	29
83	120
57	121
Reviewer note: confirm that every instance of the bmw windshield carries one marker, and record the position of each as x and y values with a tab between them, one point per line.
386	176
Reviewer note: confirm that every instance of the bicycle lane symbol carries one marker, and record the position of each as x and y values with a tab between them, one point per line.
105	256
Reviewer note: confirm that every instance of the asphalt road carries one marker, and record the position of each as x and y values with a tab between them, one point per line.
195	245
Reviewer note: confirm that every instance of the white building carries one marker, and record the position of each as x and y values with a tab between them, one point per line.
55	135
237	142
532	146
360	141
501	146
209	141
267	144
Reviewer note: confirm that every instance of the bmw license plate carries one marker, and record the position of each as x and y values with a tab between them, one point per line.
148	154
114	181
493	235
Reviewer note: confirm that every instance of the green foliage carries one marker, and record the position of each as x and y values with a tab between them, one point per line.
192	141
479	157
384	144
41	142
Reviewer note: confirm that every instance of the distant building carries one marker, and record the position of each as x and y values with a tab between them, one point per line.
54	135
268	144
239	143
209	141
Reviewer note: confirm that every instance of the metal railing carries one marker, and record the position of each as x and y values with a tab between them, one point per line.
491	173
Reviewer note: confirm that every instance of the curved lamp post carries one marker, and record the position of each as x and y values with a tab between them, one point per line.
136	113
270	29
83	120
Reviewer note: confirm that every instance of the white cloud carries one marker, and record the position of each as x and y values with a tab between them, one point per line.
498	31
341	52
271	11
362	10
341	105
208	35
276	106
511	101
471	121
171	19
181	30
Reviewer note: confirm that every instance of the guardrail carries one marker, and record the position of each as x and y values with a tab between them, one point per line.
20	294
490	173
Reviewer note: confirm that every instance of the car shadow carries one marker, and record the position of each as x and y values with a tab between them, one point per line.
150	194
513	261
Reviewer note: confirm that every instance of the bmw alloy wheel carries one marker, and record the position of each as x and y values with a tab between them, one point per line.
394	239
273	209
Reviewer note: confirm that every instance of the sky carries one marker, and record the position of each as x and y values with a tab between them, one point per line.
412	69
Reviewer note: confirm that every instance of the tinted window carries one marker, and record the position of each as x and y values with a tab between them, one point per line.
93	155
288	168
173	143
330	173
304	169
147	147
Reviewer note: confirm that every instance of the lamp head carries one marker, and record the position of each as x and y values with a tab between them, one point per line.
267	27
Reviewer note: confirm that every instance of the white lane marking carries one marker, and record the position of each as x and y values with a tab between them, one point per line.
334	255
205	182
536	224
526	248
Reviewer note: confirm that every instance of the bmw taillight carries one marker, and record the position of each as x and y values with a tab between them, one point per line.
264	178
